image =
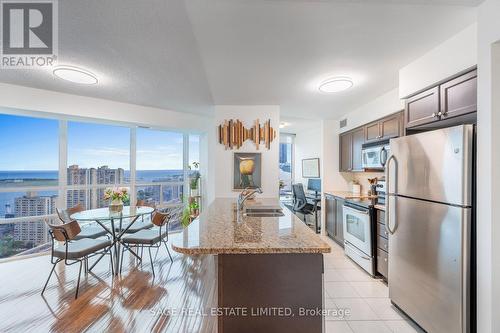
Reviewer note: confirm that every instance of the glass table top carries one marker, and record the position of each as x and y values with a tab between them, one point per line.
103	214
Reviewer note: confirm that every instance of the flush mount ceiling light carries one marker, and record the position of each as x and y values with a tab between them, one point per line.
75	75
336	84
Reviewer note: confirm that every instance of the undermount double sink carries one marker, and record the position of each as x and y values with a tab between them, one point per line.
263	211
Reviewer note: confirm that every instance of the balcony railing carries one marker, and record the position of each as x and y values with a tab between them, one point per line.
28	235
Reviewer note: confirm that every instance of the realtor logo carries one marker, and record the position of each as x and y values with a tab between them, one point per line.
29	33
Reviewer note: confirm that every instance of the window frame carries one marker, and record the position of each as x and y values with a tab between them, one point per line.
63	187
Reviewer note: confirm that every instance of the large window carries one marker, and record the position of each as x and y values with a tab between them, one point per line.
49	163
29	175
160	171
98	158
286	164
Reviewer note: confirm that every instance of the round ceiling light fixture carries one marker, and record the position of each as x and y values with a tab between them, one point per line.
336	84
75	75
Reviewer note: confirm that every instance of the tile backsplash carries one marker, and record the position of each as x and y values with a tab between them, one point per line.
362	179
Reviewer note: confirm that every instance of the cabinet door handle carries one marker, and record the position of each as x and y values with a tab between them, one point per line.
434	115
440	113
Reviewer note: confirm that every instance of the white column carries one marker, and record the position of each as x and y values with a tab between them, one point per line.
185	163
133	155
63	163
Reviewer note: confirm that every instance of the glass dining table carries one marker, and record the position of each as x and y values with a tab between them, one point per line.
115	224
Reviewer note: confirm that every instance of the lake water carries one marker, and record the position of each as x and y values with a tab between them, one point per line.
49	178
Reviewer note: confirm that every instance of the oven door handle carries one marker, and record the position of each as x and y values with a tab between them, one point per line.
356	210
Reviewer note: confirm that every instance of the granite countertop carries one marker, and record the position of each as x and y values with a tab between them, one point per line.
350	195
218	230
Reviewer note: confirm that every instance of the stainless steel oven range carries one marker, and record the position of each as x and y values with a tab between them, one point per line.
358	233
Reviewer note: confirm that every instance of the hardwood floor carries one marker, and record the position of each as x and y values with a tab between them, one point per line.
175	300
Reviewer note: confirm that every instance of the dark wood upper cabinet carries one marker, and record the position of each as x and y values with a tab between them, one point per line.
453	98
385	128
358	138
459	96
391	127
351	143
372	131
422	108
346	152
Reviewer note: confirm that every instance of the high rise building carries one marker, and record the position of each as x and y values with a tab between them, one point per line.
77	176
31	204
105	175
91	198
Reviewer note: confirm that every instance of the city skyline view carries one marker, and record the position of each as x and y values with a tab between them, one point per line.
97	154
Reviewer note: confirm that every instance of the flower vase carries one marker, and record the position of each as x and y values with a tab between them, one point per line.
116	206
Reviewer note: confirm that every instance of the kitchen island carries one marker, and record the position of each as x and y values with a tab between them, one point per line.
269	269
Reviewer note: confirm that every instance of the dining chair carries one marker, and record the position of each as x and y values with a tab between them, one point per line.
152	238
87	231
144	223
74	250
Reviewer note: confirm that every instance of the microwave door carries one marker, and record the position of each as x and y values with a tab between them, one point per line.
371	158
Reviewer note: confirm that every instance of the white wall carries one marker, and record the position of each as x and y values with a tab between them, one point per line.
332	180
449	58
307	145
378	108
488	227
45	103
61	104
223	159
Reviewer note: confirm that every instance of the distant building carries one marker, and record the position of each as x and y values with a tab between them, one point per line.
77	176
8	211
91	176
105	175
7	228
283	151
31	204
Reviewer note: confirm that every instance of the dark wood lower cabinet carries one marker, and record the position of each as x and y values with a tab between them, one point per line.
334	215
270	293
382	245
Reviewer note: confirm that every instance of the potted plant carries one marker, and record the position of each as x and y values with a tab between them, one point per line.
116	196
194	180
194	208
191	211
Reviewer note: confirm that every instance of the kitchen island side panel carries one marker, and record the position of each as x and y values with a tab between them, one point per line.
263	285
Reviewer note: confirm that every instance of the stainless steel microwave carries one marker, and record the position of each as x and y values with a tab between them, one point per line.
375	154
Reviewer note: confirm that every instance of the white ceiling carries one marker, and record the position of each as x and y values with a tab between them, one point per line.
189	55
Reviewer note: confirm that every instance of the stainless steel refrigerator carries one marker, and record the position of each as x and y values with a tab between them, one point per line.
429	179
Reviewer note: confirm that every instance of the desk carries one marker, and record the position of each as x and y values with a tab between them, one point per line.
316	199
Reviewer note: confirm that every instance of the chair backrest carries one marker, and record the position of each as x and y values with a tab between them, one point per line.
299	196
64	214
298	192
66	231
159	219
143	203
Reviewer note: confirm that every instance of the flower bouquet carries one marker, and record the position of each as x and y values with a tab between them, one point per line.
116	197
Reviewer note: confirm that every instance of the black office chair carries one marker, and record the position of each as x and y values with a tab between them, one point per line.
300	204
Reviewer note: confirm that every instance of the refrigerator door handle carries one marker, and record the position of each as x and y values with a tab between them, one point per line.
388	186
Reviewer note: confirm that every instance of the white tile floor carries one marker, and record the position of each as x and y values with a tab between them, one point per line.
357	302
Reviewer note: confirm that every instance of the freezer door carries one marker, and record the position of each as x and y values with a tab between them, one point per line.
429	265
434	165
